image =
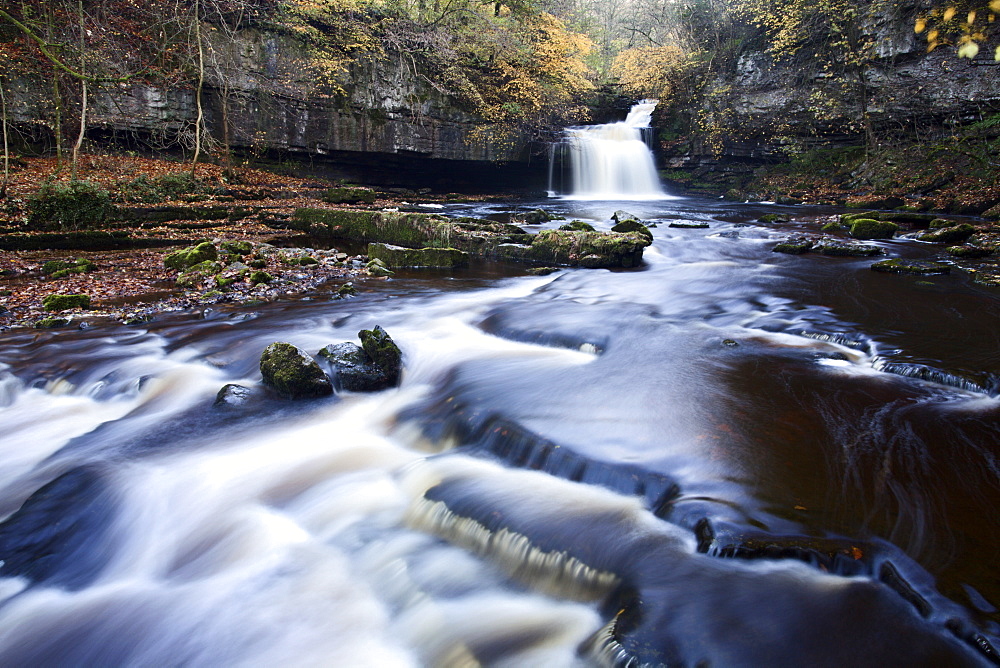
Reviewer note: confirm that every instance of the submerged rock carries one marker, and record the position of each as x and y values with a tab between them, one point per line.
292	372
383	351
353	370
900	266
399	256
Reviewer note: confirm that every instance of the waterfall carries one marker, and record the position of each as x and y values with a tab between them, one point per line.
611	161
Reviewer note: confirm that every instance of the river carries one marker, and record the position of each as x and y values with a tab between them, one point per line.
703	461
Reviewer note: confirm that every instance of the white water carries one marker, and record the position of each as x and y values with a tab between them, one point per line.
612	162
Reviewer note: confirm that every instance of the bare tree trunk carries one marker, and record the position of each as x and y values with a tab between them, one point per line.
57	100
6	146
199	122
83	101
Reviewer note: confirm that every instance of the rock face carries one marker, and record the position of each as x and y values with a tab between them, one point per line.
386	119
292	372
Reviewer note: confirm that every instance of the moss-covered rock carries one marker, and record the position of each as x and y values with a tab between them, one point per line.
383	351
968	252
51	323
794	246
866	228
292	372
832	227
848	218
955	234
577	226
481	238
346	290
900	266
238	247
353	370
838	248
188	257
62	269
399	256
939	223
537	217
633	226
689	226
64	302
349	195
774	218
377	268
259	277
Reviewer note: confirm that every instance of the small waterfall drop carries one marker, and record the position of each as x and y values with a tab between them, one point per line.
611	161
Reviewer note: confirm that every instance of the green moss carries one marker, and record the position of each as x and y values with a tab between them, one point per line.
832	227
848	218
257	263
866	228
191	256
64	302
774	218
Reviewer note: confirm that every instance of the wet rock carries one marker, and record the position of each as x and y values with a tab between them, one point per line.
837	248
542	271
232	396
383	351
577	226
346	290
621	216
537	217
292	372
51	323
955	234
794	246
633	226
399	256
968	252
353	370
188	257
774	218
832	227
866	228
378	269
689	226
900	266
848	218
64	302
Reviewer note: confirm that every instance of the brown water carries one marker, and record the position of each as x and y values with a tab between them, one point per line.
728	456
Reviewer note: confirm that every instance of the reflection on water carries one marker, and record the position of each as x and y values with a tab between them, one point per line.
727	455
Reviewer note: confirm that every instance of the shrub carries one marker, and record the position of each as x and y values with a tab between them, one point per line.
73	205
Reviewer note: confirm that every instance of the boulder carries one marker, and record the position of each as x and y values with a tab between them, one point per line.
64	302
383	351
399	256
622	216
955	234
633	226
867	228
353	370
188	257
292	372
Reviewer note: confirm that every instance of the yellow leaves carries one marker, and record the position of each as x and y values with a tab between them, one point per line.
968	50
921	24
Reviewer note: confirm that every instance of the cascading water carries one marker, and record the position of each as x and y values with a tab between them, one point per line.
611	161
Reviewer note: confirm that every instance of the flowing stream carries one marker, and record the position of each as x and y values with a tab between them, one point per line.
705	461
